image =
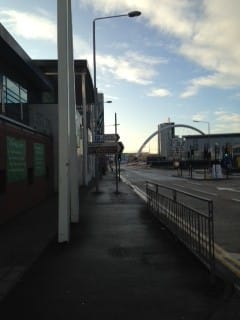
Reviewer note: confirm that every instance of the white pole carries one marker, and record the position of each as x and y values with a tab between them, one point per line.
63	124
85	137
74	194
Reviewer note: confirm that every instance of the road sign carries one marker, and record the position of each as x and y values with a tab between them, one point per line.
98	138
105	147
111	137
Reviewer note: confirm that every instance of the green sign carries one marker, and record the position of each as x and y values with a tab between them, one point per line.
39	159
16	160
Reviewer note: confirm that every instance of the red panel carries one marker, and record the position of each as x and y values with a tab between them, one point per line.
20	196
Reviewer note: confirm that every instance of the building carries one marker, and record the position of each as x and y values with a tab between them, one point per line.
214	147
47	108
165	138
211	147
29	126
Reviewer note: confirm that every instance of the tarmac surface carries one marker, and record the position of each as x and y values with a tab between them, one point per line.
121	263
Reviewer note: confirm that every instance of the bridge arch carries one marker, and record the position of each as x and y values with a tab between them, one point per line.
165	128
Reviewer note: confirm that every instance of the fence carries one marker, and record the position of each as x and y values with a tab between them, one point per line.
193	227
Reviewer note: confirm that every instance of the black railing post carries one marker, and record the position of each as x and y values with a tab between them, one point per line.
211	238
193	227
174	195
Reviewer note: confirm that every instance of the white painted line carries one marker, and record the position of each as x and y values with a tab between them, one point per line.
198	190
237	200
140	193
136	189
227	189
221	255
205	192
227	259
178	185
196	183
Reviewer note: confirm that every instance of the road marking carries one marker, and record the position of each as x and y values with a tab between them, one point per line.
227	189
230	260
237	200
205	192
196	183
136	189
178	185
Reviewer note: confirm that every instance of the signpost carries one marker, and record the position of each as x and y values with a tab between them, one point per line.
108	148
111	137
103	148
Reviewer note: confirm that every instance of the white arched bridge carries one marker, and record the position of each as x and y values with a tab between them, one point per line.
165	128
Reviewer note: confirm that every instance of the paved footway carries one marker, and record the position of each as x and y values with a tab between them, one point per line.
120	264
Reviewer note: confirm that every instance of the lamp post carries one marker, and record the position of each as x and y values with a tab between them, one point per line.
208	149
68	201
208	124
130	14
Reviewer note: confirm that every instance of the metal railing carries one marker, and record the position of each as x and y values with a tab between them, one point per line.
193	227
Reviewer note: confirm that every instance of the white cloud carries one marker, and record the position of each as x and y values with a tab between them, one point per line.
81	49
169	15
218	80
226	121
207	34
132	67
228	117
32	26
221	121
108	97
237	95
29	25
200	116
159	93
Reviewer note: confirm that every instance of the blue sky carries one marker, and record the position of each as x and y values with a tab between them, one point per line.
180	60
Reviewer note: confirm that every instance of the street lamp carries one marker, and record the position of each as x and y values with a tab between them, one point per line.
130	14
208	123
208	149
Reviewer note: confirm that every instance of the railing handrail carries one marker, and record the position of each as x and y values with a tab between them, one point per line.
180	191
194	228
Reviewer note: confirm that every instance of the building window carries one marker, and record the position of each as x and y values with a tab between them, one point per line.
14	100
12	92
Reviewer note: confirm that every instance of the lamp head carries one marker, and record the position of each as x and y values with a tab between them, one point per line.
132	14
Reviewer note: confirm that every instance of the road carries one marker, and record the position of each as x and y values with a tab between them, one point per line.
224	193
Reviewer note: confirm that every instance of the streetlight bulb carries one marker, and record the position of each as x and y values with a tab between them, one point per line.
134	14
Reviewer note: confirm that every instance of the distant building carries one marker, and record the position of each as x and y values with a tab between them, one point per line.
197	147
216	145
165	138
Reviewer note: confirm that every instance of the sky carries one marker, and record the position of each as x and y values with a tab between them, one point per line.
179	61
